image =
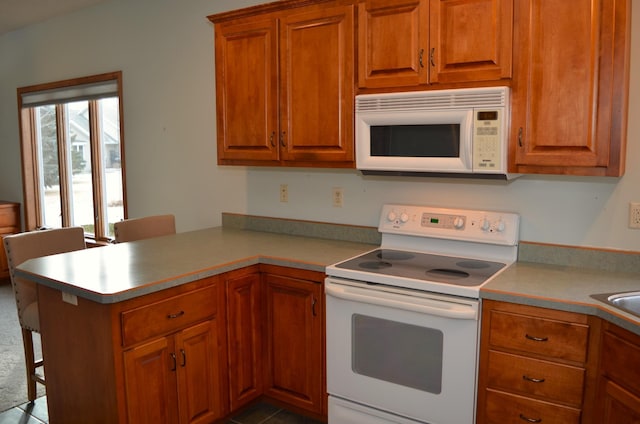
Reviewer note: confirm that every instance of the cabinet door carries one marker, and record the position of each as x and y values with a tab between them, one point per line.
200	385
244	325
392	43
316	86
246	90
569	97
294	341
151	383
619	405
470	40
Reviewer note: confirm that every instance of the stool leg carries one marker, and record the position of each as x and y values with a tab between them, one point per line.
29	357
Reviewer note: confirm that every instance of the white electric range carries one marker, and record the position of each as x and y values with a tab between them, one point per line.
403	319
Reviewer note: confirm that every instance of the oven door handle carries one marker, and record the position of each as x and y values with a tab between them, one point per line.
427	306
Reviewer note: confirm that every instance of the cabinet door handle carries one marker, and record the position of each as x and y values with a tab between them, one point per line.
177	315
282	143
184	358
530	420
536	339
272	139
520	136
420	58
533	380
313	306
431	57
175	362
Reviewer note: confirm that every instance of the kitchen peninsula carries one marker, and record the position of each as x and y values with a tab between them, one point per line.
142	326
119	320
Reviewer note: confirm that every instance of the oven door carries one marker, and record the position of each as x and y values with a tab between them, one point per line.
408	353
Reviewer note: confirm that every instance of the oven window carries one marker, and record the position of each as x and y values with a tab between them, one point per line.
437	140
397	352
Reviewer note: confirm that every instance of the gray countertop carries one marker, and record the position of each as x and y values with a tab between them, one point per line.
123	271
565	288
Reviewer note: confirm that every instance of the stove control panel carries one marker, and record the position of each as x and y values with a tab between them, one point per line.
455	224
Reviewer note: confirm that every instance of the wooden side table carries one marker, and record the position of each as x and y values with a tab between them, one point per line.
9	224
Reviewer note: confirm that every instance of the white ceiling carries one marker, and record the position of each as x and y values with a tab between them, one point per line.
15	14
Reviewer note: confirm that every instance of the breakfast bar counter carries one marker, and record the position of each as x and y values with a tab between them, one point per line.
124	271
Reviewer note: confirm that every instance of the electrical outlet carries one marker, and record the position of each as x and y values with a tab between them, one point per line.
337	197
284	193
634	215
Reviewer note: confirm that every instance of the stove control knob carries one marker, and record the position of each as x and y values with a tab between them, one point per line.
404	217
485	224
391	216
500	226
458	222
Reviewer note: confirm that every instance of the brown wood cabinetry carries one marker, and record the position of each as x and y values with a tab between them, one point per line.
294	370
414	42
570	87
285	85
157	358
245	340
174	378
619	377
535	364
9	224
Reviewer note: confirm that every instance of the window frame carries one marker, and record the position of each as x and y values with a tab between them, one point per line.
29	154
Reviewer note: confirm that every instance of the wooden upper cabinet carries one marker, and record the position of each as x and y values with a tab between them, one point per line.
416	42
246	90
570	88
392	43
316	85
285	86
470	40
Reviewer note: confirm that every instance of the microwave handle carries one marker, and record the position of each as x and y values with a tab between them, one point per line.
392	300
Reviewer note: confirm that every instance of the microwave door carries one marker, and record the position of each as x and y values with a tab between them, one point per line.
434	141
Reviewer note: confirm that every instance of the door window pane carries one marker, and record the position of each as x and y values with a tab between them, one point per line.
109	119
48	166
79	151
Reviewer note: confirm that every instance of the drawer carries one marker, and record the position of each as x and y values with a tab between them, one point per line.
504	408
619	361
527	376
168	315
552	338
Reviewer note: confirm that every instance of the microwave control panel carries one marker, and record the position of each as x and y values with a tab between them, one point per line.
487	136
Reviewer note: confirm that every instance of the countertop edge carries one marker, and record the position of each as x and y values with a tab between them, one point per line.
169	283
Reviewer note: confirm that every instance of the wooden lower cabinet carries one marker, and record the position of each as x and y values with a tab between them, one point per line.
194	353
157	358
245	339
536	365
173	379
618	397
294	372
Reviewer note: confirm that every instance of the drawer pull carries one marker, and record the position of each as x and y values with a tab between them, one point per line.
175	363
184	358
530	420
173	316
533	380
536	339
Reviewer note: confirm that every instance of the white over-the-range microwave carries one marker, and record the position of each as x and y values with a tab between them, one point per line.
459	132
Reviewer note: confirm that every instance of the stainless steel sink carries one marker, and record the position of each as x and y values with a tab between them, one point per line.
628	302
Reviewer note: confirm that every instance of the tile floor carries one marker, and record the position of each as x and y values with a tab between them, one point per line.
260	413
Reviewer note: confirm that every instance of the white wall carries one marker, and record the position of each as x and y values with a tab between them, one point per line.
165	50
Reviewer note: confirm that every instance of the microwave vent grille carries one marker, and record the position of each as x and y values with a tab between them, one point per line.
433	100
